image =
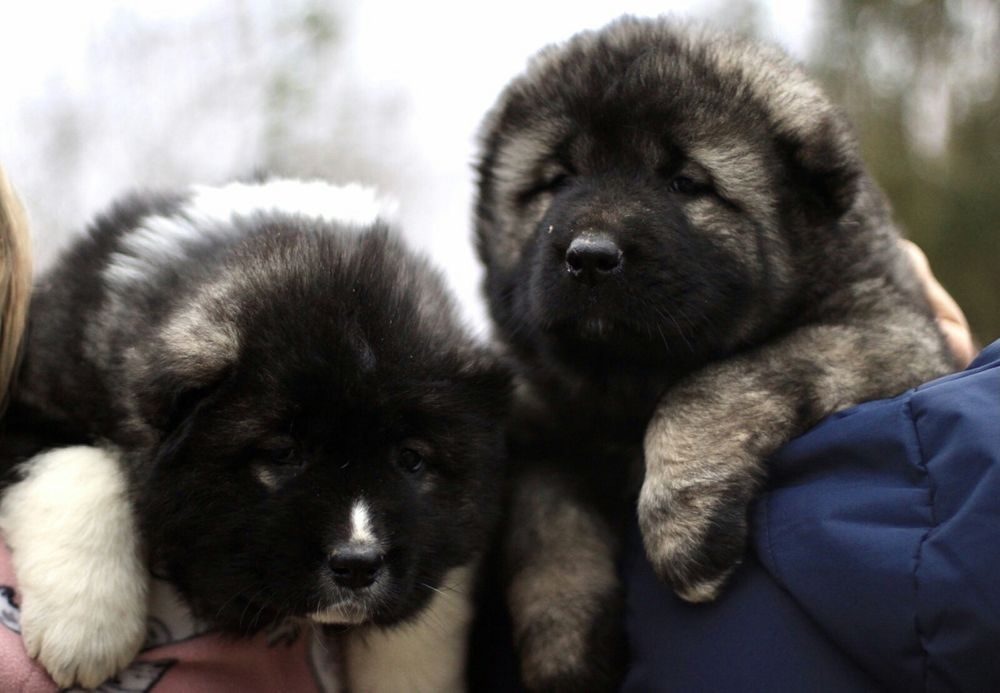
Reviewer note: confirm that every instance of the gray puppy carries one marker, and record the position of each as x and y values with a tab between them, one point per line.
691	265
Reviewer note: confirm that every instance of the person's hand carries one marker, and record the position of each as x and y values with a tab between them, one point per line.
949	316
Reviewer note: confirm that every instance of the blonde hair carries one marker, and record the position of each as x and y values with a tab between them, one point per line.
15	283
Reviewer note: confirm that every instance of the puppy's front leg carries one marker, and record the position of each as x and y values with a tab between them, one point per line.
710	435
562	586
75	551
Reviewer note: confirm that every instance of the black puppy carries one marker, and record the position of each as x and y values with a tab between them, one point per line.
274	399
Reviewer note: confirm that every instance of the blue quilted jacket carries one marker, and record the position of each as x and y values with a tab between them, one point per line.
875	562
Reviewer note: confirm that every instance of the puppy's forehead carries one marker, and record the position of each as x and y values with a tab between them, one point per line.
739	168
704	104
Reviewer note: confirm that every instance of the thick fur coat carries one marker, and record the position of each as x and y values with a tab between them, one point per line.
275	405
691	265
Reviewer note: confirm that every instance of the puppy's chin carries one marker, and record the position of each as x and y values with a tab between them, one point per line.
601	343
347	607
345	614
384	602
579	322
596	328
619	325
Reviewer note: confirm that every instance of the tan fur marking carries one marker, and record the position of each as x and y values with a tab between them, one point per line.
199	342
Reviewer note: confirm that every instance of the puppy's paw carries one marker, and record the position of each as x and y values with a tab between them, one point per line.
75	550
80	642
694	537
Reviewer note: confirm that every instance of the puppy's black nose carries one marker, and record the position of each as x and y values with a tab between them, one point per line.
592	258
355	567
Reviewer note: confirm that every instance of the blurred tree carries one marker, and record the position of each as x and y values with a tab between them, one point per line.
921	80
317	121
221	91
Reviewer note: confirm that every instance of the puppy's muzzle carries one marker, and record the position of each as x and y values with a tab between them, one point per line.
591	258
356	567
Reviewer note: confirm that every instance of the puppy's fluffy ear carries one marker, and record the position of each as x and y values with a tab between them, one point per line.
814	137
825	166
192	354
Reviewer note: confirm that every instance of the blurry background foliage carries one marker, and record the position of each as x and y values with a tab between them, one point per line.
282	87
921	82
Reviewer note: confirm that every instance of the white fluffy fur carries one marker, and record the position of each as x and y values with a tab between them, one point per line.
351	204
75	550
210	210
426	655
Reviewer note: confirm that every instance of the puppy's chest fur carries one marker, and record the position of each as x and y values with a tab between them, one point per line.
594	427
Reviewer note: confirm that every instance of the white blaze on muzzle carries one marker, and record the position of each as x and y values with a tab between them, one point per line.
362	532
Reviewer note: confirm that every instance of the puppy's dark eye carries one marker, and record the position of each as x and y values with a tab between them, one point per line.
411	461
284	456
556	182
549	186
686	185
276	462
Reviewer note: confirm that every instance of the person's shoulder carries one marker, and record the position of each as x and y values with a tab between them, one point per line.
883	522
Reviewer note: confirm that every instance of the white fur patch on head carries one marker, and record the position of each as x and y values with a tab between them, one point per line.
351	204
210	212
75	549
158	241
361	524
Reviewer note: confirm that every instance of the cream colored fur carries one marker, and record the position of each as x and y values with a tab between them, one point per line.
426	655
81	576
